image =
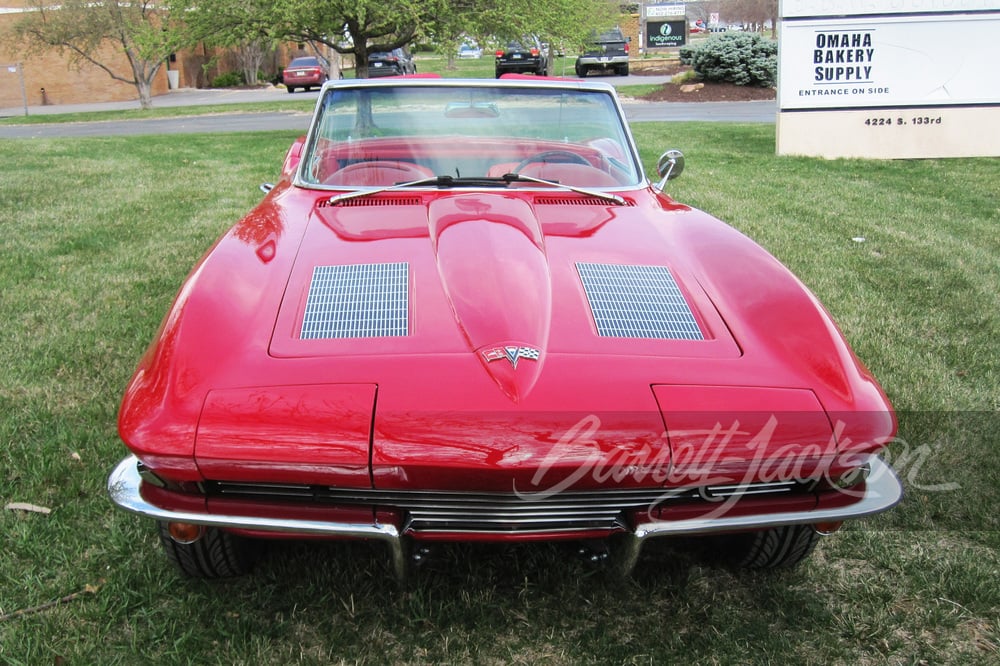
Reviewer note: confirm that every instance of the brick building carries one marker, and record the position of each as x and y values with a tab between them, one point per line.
52	78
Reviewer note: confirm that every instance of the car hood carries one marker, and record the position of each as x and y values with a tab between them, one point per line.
508	279
457	339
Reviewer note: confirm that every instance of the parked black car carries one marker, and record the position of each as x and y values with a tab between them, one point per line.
391	63
523	56
605	51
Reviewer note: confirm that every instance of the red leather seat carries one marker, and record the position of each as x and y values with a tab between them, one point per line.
379	173
570	174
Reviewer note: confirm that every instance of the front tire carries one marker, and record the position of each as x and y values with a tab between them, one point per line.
777	548
217	554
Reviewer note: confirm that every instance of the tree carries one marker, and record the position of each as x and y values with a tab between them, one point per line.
349	27
568	21
100	32
565	22
452	25
354	27
245	26
747	12
361	27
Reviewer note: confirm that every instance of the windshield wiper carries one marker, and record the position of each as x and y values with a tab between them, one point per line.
520	178
452	181
444	181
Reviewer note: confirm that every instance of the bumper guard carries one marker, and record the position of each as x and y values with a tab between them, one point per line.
883	490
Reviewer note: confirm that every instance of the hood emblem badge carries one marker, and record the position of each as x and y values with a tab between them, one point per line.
511	353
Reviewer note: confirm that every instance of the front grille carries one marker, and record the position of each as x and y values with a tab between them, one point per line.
510	513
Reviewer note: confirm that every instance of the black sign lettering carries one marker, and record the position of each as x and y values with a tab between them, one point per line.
848	57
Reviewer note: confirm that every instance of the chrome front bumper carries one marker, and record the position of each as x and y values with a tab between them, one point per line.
883	490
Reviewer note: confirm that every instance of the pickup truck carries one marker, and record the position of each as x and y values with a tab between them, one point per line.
605	51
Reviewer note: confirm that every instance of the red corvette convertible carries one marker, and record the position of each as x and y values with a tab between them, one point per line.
465	313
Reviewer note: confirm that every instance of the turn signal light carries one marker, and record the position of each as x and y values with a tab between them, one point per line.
185	533
826	529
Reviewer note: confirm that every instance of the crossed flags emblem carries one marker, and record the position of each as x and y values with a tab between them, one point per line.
512	354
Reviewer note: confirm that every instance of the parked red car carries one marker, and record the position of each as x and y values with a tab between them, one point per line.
306	72
465	313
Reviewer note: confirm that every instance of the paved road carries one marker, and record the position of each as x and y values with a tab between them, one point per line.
729	112
237	121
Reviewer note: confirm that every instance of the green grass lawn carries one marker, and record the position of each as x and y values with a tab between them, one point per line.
97	235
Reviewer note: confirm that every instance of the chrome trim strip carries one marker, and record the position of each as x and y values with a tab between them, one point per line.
569	500
526	516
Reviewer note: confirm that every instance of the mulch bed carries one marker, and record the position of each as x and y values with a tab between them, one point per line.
709	92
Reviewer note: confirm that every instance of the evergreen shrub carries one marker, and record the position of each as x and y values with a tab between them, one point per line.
228	80
743	58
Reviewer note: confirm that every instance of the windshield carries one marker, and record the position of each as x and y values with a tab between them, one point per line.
379	136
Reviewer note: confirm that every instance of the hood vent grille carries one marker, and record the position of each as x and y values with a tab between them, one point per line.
577	201
638	302
357	301
362	202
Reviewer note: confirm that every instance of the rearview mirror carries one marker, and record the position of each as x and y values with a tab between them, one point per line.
471	110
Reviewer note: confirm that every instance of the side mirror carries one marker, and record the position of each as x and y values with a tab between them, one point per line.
669	166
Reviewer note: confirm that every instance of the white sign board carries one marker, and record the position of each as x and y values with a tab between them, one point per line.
663	11
905	78
833	8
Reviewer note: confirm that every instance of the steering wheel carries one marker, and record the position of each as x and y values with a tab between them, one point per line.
554	157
